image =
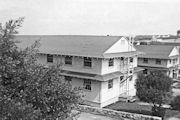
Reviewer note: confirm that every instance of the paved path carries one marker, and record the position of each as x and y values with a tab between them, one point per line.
173	118
89	116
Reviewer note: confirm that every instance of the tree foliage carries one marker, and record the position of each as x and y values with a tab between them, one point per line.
29	90
175	103
154	88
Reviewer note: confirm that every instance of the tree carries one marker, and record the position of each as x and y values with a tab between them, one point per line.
175	103
29	90
154	88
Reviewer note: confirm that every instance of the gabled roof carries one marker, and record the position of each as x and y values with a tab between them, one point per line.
155	51
166	43
75	45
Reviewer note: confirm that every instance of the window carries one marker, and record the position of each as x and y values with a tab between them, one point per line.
49	58
87	62
68	60
111	62
130	78
169	61
158	61
122	58
110	84
121	78
145	71
175	61
68	78
145	60
130	71
131	59
87	84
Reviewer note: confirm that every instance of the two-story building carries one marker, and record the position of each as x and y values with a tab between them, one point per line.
159	57
105	66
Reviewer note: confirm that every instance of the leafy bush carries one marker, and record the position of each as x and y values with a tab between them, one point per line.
154	88
175	103
28	90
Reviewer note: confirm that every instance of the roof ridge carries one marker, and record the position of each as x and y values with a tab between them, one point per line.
74	35
76	45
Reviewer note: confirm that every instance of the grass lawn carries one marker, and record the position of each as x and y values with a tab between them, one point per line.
141	109
130	107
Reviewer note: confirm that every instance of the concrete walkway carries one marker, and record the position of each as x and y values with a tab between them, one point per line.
176	117
89	116
173	118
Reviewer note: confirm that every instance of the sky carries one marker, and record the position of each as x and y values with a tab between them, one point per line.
93	17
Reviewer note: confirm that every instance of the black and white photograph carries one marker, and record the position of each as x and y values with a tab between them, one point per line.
89	60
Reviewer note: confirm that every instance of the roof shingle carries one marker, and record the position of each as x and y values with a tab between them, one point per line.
155	51
75	45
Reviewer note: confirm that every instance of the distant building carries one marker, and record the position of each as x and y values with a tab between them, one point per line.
105	66
142	39
151	39
166	38
159	57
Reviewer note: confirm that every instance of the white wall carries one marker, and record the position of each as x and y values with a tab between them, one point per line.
127	87
99	66
77	64
117	65
174	52
109	69
94	94
171	64
120	46
135	61
100	93
132	88
164	62
152	62
109	94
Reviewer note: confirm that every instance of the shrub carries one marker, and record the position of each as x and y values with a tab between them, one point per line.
175	103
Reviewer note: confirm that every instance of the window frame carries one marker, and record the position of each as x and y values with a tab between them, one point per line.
158	61
130	78
87	84
130	71
175	61
145	60
87	62
170	61
111	62
145	71
122	58
121	78
110	84
50	58
131	59
68	78
68	60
